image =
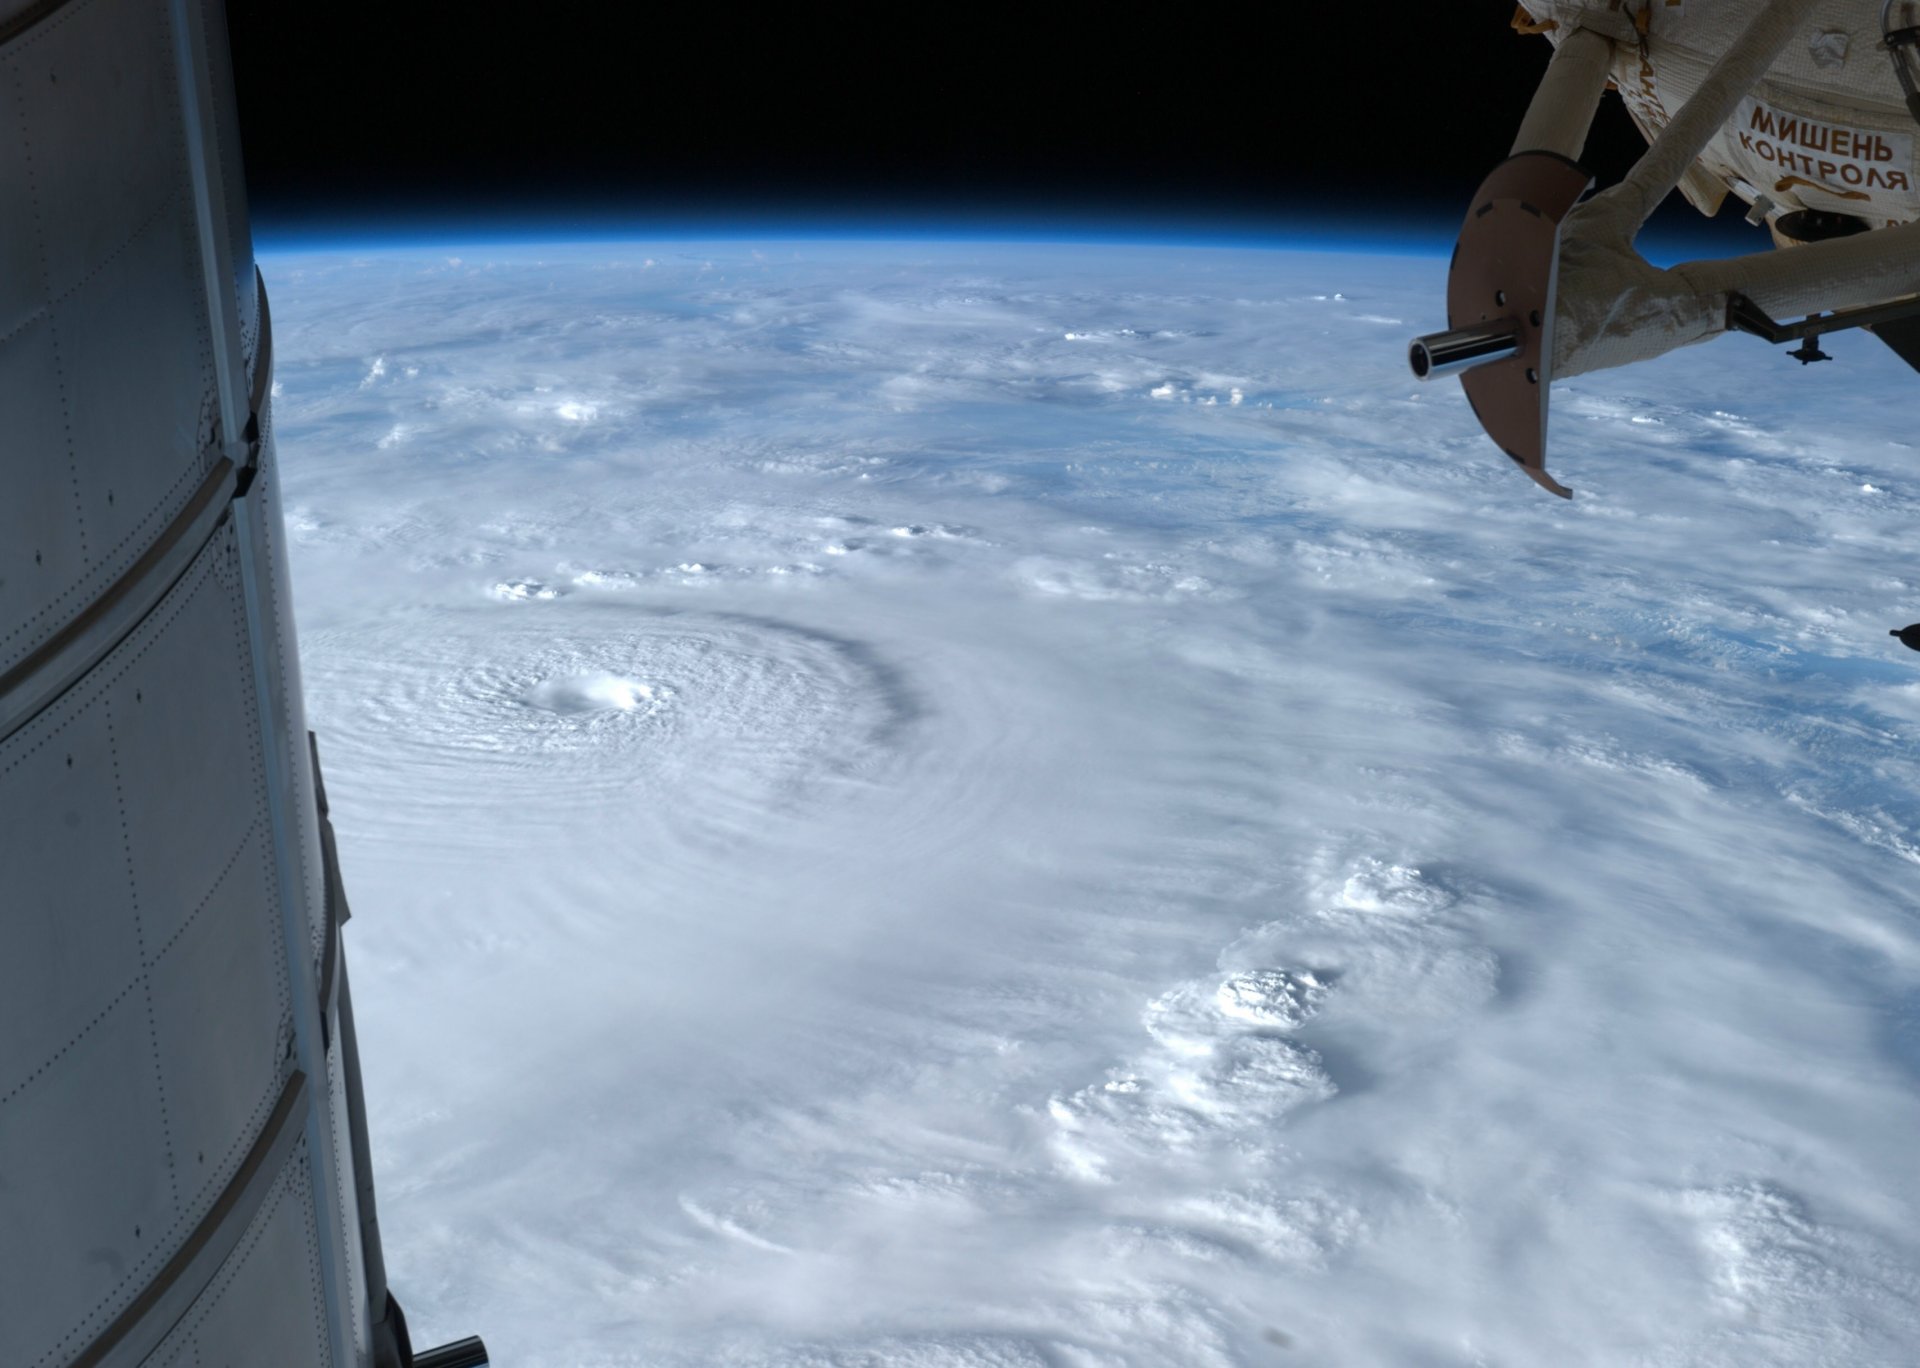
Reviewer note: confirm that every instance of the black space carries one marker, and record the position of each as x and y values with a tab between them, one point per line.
1193	113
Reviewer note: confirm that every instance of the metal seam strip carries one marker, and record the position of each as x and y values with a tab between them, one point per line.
30	17
57	663
330	951
66	656
262	360
194	58
334	896
174	1289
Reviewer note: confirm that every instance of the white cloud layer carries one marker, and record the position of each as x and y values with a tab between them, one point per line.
874	841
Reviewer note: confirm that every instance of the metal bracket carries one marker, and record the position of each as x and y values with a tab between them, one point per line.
1895	41
262	385
333	900
1743	315
243	477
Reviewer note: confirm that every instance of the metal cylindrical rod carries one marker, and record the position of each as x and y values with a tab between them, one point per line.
1447	353
1840	273
1563	104
466	1353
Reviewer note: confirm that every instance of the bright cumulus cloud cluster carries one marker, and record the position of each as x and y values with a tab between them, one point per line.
986	806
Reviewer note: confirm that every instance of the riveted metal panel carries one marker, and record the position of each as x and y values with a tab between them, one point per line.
145	1048
139	388
178	1353
267	1295
92	118
43	559
22	284
72	945
188	753
224	135
177	1350
263	1306
165	1048
86	1188
102	329
219	999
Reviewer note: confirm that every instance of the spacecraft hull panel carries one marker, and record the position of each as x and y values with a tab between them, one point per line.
133	826
244	1305
167	1195
100	306
1826	128
1796	106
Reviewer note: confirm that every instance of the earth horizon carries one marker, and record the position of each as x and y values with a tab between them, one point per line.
972	804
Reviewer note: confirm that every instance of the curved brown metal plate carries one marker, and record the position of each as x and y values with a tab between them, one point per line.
1504	268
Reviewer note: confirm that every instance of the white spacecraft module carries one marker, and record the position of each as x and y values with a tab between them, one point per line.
1807	110
184	1173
